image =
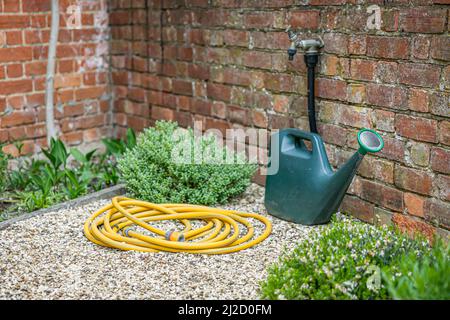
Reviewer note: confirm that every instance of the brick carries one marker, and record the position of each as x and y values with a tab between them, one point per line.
421	47
418	100
35	68
335	43
443	185
387	47
416	128
14	70
219	109
362	69
15	54
237	114
259	20
280	103
440	160
378	169
182	87
385	196
386	72
11	6
383	120
356	93
393	97
414	204
14	22
17	118
73	80
439	103
390	20
278	122
357	44
444	132
413	180
159	113
16	86
201	107
89	93
394	149
14	38
259	118
36	5
420	154
382	217
333	134
440	48
413	226
423	75
236	38
304	19
257	59
422	20
355	116
358	208
219	92
437	211
331	89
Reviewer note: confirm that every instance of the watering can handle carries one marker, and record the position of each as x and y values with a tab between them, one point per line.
316	141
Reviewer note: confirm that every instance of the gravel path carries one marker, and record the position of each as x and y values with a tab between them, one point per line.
48	257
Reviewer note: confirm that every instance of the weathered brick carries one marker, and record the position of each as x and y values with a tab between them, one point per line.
385	196
387	96
362	69
418	100
413	226
440	160
423	75
387	47
416	128
440	48
443	185
304	19
332	89
359	208
414	204
444	132
420	154
413	180
383	120
15	54
422	20
437	212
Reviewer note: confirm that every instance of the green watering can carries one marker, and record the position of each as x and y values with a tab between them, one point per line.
301	186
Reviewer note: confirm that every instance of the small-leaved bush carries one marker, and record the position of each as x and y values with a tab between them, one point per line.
420	279
170	164
343	260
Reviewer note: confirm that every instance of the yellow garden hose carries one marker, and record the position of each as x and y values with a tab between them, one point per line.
114	226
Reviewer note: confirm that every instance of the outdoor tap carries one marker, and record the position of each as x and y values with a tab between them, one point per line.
293	47
309	46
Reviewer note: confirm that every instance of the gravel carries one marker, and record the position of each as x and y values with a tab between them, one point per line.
48	257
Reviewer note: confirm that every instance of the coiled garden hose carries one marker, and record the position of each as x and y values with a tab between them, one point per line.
114	226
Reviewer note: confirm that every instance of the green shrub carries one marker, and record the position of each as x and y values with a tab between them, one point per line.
151	172
340	261
426	278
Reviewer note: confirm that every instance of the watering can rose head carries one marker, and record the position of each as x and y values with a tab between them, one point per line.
369	141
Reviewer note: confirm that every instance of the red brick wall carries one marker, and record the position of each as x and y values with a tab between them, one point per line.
82	94
224	62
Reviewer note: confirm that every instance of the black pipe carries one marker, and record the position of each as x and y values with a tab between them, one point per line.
311	60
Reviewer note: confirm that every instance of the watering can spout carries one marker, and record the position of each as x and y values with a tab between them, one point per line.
305	189
369	141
